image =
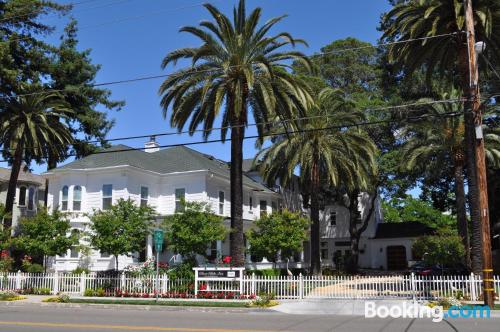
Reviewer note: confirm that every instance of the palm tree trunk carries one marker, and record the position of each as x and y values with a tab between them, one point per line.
463	227
352	264
11	191
476	256
236	236
315	231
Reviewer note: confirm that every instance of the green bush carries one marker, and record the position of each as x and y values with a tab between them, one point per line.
89	292
266	273
80	270
35	268
182	271
42	291
101	292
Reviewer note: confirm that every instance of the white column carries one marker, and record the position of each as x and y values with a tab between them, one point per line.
149	247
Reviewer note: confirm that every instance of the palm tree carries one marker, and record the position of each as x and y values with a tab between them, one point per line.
447	55
442	142
28	133
325	153
237	65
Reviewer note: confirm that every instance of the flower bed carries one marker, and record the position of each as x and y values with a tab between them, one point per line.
173	295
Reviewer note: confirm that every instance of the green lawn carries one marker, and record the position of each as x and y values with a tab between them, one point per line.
163	303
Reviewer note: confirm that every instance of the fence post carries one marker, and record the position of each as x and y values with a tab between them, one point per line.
122	282
253	288
18	280
195	283
82	283
472	280
55	286
413	290
301	286
164	286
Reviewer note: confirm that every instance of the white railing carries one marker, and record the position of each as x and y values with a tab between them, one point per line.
468	287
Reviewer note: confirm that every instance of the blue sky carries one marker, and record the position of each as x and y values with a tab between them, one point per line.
129	38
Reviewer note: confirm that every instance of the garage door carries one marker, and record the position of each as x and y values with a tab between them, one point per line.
396	258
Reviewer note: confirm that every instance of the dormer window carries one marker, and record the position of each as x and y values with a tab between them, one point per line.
64	199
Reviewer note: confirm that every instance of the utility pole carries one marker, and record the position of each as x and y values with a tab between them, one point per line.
475	106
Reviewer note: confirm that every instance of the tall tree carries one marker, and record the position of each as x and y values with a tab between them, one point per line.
27	133
324	154
237	65
122	229
448	56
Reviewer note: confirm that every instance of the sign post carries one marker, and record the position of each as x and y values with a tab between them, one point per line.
158	240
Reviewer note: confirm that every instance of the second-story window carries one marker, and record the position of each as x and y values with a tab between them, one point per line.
64	198
250	203
263	207
274	206
107	196
221	202
333	218
22	196
144	196
31	198
77	198
180	196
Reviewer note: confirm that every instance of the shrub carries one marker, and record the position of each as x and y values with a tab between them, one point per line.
35	268
89	292
80	270
264	300
62	298
6	261
267	272
10	296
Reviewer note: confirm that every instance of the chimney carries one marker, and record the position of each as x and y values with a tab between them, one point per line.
152	145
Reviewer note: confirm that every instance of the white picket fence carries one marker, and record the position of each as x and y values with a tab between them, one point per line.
296	287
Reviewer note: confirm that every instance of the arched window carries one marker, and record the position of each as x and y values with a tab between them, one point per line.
22	196
64	200
31	198
77	198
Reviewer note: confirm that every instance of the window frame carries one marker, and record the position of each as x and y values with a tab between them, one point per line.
21	196
75	200
103	197
64	207
31	198
334	220
142	199
221	204
262	212
178	200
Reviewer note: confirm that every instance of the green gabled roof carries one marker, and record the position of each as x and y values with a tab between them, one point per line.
172	160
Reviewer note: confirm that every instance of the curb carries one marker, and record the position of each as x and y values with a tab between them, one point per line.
134	307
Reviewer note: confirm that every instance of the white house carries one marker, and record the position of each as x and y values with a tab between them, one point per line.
30	193
159	178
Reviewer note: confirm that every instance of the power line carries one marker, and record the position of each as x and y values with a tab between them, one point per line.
342	126
385	108
151	77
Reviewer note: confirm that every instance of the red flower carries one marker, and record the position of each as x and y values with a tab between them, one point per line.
203	287
227	260
4	254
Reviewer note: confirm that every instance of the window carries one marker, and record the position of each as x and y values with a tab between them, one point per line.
212	251
333	218
107	196
263	207
144	196
74	252
221	202
358	217
77	198
250	203
22	196
64	200
324	250
274	206
105	254
180	196
31	198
